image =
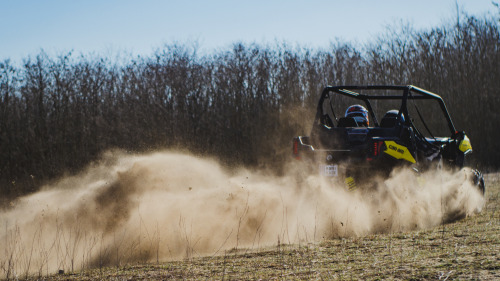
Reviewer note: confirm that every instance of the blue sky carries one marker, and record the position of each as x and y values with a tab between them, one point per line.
138	27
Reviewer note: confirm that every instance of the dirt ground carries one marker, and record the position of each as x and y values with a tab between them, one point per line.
466	249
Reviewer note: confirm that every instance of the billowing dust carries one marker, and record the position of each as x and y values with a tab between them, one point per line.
168	205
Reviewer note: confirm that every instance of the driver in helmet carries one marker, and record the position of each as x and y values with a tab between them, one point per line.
359	113
394	113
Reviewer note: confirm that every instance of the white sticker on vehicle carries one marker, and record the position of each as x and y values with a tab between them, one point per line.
329	170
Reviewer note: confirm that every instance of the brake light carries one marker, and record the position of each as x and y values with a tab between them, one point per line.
296	148
376	147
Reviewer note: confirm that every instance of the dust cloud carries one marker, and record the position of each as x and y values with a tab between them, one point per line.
169	205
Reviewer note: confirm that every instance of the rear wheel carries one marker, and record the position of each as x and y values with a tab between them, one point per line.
478	181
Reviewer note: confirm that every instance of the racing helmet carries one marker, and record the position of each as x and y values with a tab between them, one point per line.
394	113
359	113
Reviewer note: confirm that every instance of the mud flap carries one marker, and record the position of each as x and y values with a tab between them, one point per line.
351	184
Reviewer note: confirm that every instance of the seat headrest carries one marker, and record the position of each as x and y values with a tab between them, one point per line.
388	122
347	122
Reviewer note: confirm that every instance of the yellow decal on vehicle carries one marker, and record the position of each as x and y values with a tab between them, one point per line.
351	184
398	151
465	145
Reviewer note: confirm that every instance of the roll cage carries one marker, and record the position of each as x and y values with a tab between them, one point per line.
409	92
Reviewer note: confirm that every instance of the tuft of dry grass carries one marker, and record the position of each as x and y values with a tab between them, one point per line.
466	249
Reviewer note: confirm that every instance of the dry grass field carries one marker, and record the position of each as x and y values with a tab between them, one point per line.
467	249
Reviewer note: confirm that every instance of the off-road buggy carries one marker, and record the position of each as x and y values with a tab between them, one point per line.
342	149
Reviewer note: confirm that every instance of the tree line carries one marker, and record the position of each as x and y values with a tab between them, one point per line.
242	104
